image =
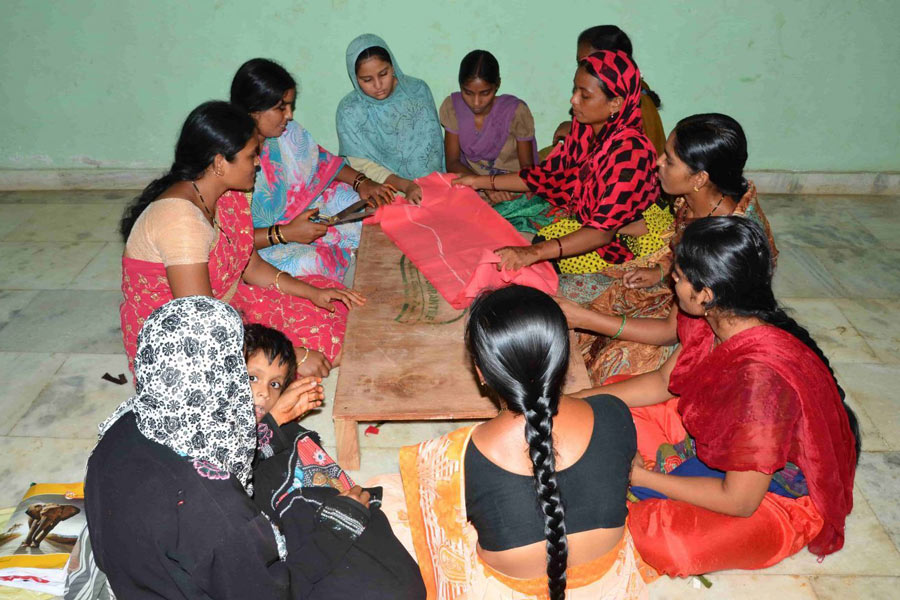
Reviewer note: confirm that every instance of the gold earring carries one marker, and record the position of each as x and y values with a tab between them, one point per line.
696	189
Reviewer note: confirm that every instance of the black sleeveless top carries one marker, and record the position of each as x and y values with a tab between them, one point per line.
503	506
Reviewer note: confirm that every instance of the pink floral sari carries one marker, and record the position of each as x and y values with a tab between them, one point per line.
145	288
296	174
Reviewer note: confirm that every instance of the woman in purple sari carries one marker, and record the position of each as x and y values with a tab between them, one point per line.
485	133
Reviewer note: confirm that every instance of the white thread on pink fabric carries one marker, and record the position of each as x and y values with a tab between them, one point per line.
440	244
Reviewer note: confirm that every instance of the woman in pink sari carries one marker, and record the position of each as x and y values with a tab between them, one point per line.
298	179
190	233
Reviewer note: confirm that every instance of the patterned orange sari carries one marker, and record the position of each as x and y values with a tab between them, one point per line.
145	288
444	539
604	357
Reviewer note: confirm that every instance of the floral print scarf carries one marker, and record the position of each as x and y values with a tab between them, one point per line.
192	389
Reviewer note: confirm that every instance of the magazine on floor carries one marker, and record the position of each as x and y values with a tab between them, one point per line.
37	541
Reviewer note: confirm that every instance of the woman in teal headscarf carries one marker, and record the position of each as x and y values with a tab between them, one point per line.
388	126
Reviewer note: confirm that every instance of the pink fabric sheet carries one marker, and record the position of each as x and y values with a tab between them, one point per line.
451	237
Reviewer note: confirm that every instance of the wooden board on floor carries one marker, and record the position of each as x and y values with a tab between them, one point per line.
404	357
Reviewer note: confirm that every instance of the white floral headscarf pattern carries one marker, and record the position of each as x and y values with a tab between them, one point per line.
192	389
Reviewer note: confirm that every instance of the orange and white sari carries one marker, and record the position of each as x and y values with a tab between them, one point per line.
444	541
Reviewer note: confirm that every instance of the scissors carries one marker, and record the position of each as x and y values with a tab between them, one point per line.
355	212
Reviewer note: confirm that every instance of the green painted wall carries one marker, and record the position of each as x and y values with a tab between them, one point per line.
108	82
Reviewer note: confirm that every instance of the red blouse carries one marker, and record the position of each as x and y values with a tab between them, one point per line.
763	398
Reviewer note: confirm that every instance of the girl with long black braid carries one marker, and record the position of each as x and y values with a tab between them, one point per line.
755	456
526	373
543	483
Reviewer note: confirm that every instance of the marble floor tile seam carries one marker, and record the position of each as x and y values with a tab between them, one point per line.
61	288
851	268
884	526
860	236
50	436
88	264
872	340
94	249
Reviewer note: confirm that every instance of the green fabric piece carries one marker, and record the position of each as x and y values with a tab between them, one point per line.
527	215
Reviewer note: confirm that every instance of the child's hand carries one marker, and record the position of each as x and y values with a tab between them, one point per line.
297	399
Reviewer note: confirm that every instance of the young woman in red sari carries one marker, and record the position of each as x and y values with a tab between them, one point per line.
634	319
754	457
191	233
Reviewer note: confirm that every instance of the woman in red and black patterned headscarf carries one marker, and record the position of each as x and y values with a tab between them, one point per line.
603	174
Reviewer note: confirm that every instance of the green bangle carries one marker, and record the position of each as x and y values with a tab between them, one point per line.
621	327
662	273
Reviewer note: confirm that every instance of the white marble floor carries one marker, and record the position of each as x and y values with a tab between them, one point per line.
839	270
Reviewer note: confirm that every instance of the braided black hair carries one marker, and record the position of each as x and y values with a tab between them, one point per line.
731	257
519	339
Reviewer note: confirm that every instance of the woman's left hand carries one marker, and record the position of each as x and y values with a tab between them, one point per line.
324	297
643	277
378	194
513	258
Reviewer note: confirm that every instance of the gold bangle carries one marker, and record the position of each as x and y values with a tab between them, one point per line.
305	356
269	234
279	235
493	184
277	275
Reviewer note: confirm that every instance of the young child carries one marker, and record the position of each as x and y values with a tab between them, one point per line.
279	399
272	365
295	482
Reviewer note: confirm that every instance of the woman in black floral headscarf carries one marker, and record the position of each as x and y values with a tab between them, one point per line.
168	487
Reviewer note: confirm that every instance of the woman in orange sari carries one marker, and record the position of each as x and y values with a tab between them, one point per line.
754	457
530	504
191	233
702	166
